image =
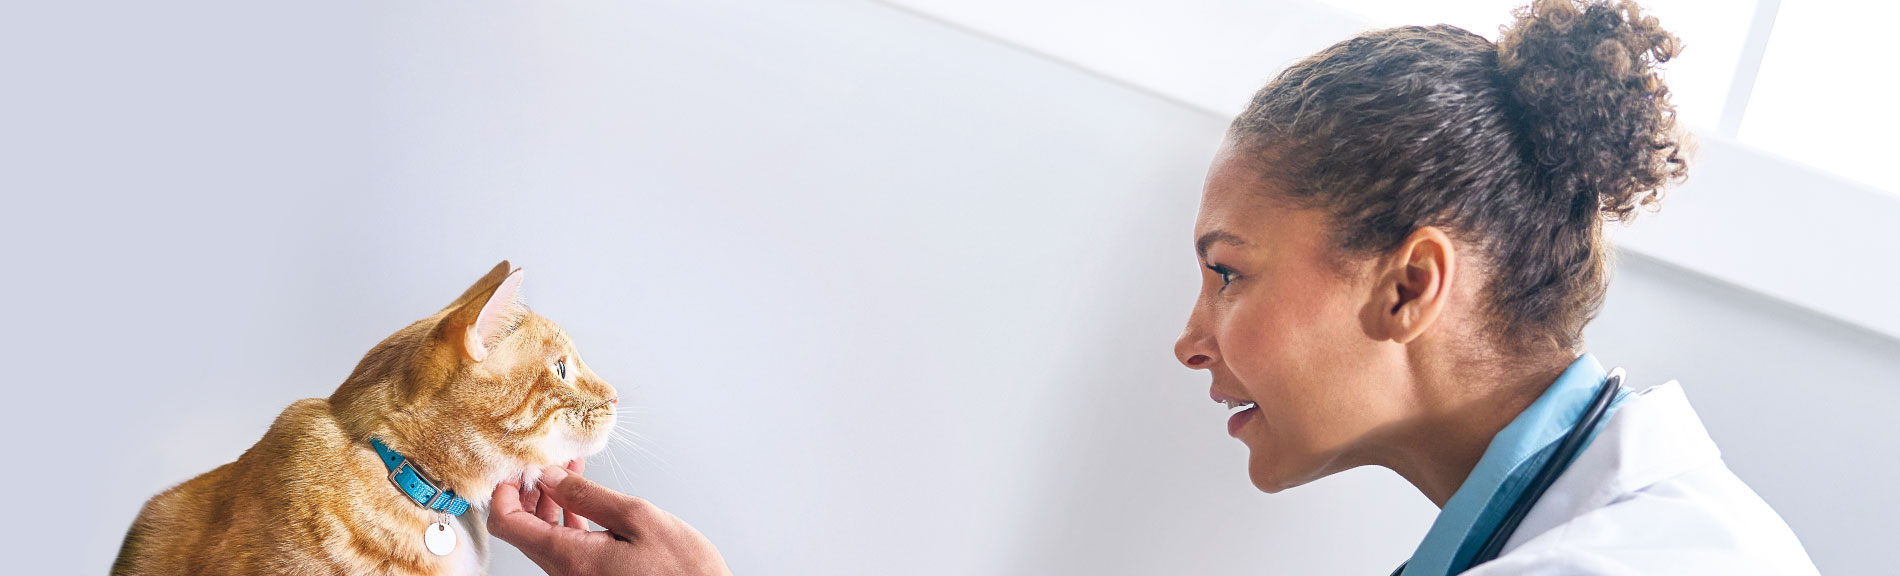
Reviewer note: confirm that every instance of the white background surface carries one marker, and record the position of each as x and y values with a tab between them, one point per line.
887	297
1813	129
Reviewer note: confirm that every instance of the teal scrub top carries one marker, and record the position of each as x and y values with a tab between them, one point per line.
1506	469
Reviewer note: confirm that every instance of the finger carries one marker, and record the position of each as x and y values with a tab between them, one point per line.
507	496
554	548
625	515
574	520
530	497
508	521
546	509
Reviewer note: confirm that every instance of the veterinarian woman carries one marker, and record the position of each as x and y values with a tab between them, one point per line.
1402	239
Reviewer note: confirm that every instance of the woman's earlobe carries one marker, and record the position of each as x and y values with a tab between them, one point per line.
1375	317
1422	283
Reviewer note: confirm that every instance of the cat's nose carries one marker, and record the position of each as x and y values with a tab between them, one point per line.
613	400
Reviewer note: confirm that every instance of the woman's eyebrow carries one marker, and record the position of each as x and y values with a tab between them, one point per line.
1215	236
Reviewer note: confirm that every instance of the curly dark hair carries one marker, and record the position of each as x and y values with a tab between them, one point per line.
1521	149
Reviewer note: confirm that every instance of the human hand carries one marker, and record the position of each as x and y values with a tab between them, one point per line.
640	540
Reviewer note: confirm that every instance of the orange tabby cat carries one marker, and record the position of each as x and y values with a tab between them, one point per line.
482	391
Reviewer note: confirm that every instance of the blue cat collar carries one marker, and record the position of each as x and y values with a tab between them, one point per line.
404	475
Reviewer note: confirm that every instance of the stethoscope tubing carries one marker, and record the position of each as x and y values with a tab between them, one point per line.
1559	462
1567	451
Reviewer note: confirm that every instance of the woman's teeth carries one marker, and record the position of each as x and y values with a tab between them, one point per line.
1233	405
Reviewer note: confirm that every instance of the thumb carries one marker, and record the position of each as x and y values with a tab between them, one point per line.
625	515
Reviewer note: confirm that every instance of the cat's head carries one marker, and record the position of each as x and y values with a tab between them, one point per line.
482	391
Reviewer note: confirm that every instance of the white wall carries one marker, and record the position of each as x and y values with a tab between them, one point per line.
1798	402
886	297
1212	55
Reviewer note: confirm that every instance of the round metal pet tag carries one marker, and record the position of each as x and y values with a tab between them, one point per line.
439	539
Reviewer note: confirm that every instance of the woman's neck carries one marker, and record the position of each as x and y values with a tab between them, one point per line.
1457	421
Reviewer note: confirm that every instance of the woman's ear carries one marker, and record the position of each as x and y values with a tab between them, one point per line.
1416	284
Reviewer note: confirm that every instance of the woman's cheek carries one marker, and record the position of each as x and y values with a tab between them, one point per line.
1246	345
1264	332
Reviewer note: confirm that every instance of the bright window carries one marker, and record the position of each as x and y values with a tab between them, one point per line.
1826	92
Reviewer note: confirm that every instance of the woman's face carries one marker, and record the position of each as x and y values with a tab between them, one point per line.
1283	326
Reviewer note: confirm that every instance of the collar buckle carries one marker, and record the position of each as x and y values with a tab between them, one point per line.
420	477
441	498
397	471
435	498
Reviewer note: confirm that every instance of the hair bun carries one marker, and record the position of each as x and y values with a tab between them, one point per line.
1592	107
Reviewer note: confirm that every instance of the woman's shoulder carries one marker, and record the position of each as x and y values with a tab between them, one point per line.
1652	495
1706	521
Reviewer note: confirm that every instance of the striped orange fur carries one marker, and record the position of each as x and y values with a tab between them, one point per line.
472	395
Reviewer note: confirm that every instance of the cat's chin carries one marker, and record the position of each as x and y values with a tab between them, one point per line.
522	475
567	445
557	449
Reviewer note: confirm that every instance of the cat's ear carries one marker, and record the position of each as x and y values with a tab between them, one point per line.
481	287
483	316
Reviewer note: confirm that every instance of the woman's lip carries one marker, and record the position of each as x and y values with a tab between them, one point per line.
1240	419
1222	398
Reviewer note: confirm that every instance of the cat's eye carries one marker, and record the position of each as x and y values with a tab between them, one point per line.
560	368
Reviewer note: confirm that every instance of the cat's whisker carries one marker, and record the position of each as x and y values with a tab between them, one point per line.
620	472
622	434
616	436
659	462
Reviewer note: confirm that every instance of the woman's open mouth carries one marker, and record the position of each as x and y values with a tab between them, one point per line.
1240	418
1239	412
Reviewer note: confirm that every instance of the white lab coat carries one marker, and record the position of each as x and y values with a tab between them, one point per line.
1651	495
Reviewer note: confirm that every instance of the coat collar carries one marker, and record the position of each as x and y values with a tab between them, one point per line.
1653	437
1515	454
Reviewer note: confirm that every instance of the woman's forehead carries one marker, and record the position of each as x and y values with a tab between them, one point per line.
1243	211
1237	202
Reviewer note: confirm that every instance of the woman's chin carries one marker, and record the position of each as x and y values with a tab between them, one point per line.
1272	477
1267	484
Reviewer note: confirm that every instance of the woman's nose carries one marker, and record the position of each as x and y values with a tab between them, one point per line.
1193	349
1198	361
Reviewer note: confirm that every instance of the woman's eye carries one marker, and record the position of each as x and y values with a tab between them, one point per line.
1226	275
560	368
